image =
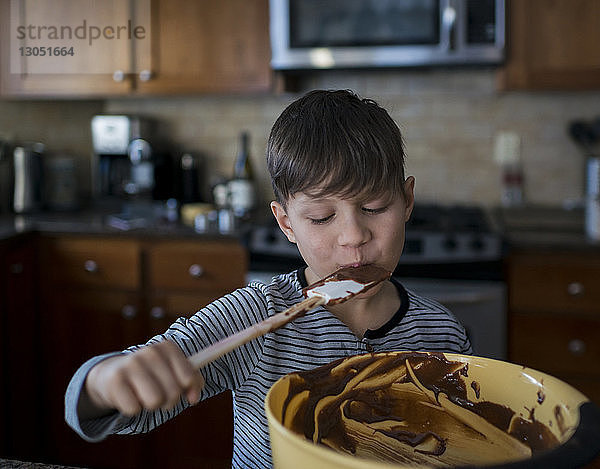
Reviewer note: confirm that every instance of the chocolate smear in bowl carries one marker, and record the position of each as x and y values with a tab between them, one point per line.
410	408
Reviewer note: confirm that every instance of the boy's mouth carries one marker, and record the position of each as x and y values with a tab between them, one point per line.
354	264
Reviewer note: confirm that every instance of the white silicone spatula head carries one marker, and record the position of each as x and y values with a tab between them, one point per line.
346	283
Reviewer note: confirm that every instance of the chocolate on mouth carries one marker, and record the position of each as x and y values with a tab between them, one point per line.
410	407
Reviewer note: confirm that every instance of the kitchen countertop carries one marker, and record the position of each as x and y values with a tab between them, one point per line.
529	227
544	228
92	222
12	464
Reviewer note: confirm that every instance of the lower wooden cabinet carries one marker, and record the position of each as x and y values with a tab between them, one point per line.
554	315
102	294
20	380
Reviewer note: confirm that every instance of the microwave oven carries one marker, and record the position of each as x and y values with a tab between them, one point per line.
323	34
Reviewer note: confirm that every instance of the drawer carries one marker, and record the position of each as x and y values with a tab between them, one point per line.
197	265
555	344
559	283
91	262
164	309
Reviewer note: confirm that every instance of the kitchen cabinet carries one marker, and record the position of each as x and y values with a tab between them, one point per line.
19	336
552	44
61	83
104	293
554	315
212	46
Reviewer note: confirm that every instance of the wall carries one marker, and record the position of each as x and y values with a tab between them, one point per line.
63	126
449	119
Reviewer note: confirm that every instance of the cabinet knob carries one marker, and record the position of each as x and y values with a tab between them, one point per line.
16	268
91	266
145	75
196	270
157	312
118	75
129	311
575	289
576	346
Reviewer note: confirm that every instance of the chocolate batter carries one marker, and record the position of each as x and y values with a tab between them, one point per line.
409	408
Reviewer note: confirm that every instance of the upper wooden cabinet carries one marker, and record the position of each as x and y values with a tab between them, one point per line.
207	46
552	44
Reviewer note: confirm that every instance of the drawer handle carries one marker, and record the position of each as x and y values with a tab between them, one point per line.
157	312
575	289
118	76
129	311
196	270
91	266
576	346
145	75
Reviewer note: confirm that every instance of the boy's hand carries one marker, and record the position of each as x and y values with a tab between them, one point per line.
151	378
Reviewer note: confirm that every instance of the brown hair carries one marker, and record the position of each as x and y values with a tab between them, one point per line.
333	142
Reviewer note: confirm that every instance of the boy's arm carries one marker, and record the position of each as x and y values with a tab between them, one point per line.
75	397
107	391
153	377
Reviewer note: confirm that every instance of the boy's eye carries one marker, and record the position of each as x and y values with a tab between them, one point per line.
320	221
374	210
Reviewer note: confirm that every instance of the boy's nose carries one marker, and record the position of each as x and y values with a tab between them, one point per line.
353	233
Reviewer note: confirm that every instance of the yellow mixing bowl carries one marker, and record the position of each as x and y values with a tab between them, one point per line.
557	421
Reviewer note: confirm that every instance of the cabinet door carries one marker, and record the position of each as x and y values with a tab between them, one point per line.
108	74
91	299
214	267
19	365
553	45
210	46
92	262
183	276
201	436
80	323
567	283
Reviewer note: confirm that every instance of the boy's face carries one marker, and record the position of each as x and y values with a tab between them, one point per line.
332	232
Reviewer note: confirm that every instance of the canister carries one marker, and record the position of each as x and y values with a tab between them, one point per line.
61	183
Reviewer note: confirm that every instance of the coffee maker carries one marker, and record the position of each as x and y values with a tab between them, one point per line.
128	164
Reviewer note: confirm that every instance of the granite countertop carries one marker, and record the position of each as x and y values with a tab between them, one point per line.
529	227
94	222
542	227
12	464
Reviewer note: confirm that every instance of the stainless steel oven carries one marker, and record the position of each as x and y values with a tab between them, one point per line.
452	254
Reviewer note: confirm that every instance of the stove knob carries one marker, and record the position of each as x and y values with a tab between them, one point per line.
449	244
477	244
271	236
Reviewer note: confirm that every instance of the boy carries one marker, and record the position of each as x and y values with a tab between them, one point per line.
337	168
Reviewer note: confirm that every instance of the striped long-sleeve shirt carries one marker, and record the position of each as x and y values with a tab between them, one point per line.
249	371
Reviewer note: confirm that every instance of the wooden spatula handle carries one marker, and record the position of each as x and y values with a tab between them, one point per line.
218	349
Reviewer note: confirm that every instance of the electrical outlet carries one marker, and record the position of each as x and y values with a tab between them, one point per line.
507	148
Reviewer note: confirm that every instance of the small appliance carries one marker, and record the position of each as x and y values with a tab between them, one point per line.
128	163
312	34
28	182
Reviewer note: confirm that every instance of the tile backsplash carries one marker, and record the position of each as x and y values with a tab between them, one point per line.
449	119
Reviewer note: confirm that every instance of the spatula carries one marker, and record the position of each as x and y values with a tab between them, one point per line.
337	287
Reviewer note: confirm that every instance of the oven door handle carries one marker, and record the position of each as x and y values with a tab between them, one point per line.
464	297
